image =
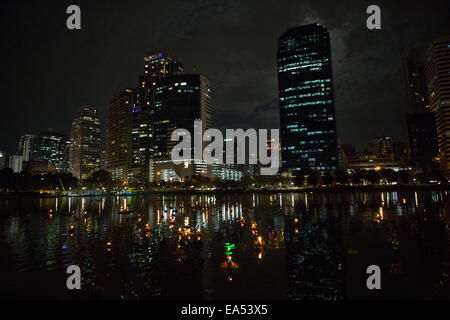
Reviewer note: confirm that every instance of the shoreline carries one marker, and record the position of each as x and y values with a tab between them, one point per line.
332	189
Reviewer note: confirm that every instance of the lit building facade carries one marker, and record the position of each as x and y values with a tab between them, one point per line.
27	146
85	143
179	101
166	170
15	162
305	86
437	70
157	67
52	147
230	172
118	135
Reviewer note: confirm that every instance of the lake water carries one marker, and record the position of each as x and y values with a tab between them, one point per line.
227	246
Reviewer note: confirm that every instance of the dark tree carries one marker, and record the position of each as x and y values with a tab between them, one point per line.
328	178
99	179
404	176
372	176
357	177
313	178
341	176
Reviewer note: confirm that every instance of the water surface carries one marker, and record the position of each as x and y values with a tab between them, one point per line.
227	246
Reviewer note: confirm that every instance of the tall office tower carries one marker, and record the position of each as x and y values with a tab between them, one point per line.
179	101
416	84
52	147
84	155
157	66
437	70
117	135
27	146
305	87
422	136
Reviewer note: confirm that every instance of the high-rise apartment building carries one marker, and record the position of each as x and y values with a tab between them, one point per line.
305	86
437	70
85	143
118	135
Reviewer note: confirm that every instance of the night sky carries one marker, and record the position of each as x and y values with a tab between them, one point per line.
49	71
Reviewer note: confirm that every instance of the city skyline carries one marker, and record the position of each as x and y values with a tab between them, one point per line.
253	90
201	154
166	98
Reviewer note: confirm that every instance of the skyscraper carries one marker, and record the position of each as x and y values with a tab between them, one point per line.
437	69
48	147
423	145
84	156
27	146
422	136
118	135
52	147
157	66
416	85
178	102
305	87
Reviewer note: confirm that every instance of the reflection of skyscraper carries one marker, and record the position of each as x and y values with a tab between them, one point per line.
420	121
437	67
307	120
118	135
313	239
84	156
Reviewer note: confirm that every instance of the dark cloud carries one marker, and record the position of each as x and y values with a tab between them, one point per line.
49	71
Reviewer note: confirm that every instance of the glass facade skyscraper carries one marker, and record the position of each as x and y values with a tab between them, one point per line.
52	147
305	86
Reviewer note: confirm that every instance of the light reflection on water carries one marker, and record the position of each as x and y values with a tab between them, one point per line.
223	246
